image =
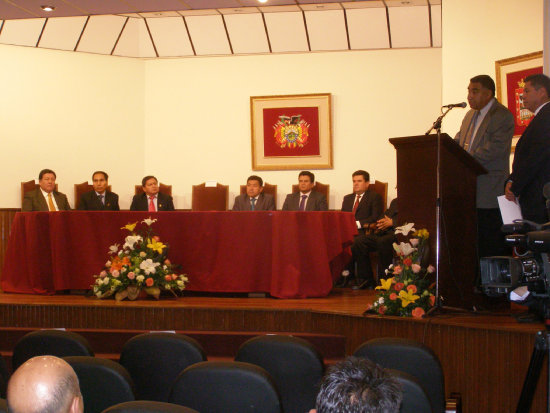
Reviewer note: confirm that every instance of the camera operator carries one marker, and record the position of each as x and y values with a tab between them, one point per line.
531	166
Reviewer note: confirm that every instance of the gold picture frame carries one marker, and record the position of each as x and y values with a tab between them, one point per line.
291	132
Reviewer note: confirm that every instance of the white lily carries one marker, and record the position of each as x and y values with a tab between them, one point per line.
405	229
113	249
131	240
148	266
149	221
403	248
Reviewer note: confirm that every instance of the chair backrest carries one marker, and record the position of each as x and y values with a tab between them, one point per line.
268	189
225	386
165	189
414	358
319	187
58	343
415	397
294	364
154	360
4	377
381	188
82	188
213	198
103	382
146	406
29	186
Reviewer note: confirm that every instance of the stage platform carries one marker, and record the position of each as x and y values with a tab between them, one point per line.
484	356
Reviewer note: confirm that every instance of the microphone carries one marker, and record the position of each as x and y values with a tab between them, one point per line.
456	105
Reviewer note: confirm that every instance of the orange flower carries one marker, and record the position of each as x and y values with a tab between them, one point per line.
398	286
116	264
397	269
168	277
412	288
418	312
149	282
382	309
432	300
407	261
167	261
174	276
393	296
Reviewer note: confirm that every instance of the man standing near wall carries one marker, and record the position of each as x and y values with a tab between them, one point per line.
486	134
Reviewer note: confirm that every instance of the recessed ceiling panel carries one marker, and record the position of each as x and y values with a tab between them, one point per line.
436	25
240	10
33	7
368	28
62	32
327	30
363	4
212	4
280	9
170	36
321	7
409	26
24	32
256	3
159	14
208	34
156	5
135	40
101	34
102	6
286	32
247	33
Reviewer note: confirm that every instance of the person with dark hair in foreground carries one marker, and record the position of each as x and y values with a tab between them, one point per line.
44	384
357	385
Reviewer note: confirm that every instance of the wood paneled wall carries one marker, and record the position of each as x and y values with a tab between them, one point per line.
6	219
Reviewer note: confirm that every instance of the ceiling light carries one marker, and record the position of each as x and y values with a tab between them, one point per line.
262	1
47	8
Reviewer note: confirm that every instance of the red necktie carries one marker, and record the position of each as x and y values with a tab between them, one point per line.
356	203
152	204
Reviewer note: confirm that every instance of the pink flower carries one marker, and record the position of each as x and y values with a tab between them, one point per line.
131	275
397	269
416	268
103	274
431	268
414	242
156	238
418	312
168	277
174	277
115	273
398	286
167	261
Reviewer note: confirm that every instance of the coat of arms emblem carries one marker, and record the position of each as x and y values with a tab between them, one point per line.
291	131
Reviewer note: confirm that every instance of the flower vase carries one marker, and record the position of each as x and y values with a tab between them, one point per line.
154	291
133	292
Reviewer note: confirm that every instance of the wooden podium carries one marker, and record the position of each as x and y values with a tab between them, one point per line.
417	192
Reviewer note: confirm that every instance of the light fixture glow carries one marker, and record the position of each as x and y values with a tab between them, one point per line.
47	8
262	1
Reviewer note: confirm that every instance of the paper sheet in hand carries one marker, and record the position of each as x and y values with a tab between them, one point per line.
509	210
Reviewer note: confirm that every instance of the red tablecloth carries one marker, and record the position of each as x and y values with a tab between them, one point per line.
286	254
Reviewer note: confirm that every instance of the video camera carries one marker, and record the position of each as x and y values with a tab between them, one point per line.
531	242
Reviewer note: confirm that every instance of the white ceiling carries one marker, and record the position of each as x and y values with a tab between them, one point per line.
354	25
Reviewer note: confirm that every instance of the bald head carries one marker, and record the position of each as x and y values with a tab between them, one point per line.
45	384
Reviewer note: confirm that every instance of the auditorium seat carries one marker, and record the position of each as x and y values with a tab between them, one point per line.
210	198
268	189
165	189
415	397
103	382
4	377
294	364
29	186
381	188
225	386
58	343
82	188
319	187
414	358
3	406
146	406
154	361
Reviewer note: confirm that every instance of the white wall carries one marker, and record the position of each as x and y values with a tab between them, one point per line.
71	112
198	113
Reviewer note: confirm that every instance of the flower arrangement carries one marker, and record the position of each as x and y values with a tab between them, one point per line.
141	263
407	291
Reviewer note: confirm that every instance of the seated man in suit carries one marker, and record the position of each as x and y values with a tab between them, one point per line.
367	207
254	199
306	199
151	199
45	197
100	199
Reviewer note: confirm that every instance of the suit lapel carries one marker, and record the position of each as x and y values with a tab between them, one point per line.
42	201
482	128
467	122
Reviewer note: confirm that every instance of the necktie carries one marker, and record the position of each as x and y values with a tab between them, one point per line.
356	204
302	206
252	203
152	204
470	133
51	206
102	199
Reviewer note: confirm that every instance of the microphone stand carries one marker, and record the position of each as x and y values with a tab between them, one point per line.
438	305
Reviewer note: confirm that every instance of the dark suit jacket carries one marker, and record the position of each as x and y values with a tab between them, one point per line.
491	148
265	202
369	209
315	202
89	201
531	167
141	203
34	201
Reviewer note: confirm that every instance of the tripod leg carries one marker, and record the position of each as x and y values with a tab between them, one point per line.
533	373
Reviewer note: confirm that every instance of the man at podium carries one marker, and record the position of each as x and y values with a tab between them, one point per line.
486	134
